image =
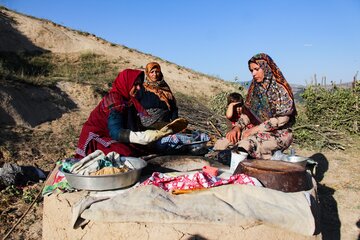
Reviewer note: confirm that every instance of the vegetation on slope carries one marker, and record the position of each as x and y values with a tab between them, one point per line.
44	69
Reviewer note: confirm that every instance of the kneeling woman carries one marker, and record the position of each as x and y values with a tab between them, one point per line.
113	124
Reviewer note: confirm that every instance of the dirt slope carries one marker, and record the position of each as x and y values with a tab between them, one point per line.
22	32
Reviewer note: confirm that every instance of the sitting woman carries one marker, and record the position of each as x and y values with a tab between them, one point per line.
157	98
112	125
269	107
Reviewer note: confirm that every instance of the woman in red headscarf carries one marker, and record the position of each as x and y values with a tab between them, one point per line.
157	98
270	107
112	125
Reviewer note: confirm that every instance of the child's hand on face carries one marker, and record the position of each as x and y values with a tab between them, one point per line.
234	104
233	108
237	108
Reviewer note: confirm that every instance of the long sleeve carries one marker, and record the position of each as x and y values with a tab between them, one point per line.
116	126
174	113
273	124
243	121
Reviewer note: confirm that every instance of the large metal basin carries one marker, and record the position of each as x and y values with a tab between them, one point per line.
107	182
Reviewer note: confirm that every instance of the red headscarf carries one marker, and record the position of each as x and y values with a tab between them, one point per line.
119	95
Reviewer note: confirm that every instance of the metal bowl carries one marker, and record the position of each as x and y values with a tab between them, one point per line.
302	161
107	182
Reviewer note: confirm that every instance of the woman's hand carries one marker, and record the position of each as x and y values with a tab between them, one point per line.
234	135
249	132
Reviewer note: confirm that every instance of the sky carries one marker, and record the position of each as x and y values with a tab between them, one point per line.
218	37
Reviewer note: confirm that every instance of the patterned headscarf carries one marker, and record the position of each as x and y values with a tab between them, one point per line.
159	87
273	96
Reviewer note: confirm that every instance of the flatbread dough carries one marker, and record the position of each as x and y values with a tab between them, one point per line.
176	126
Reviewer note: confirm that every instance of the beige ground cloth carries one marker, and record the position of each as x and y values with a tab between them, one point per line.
232	205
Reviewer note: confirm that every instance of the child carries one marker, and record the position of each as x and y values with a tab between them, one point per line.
234	109
234	113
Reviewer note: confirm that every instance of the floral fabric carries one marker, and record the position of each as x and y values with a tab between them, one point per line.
198	180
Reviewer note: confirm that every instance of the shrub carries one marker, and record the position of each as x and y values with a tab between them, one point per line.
328	118
337	108
219	103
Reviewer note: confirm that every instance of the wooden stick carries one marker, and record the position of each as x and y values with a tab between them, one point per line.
217	130
17	223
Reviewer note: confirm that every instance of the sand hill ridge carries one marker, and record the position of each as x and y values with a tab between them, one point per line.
22	33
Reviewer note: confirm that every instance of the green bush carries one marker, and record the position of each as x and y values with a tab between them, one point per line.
328	118
219	103
337	108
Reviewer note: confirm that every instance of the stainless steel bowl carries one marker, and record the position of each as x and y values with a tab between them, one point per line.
302	161
107	182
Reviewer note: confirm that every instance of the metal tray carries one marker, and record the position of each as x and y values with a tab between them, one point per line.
107	182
